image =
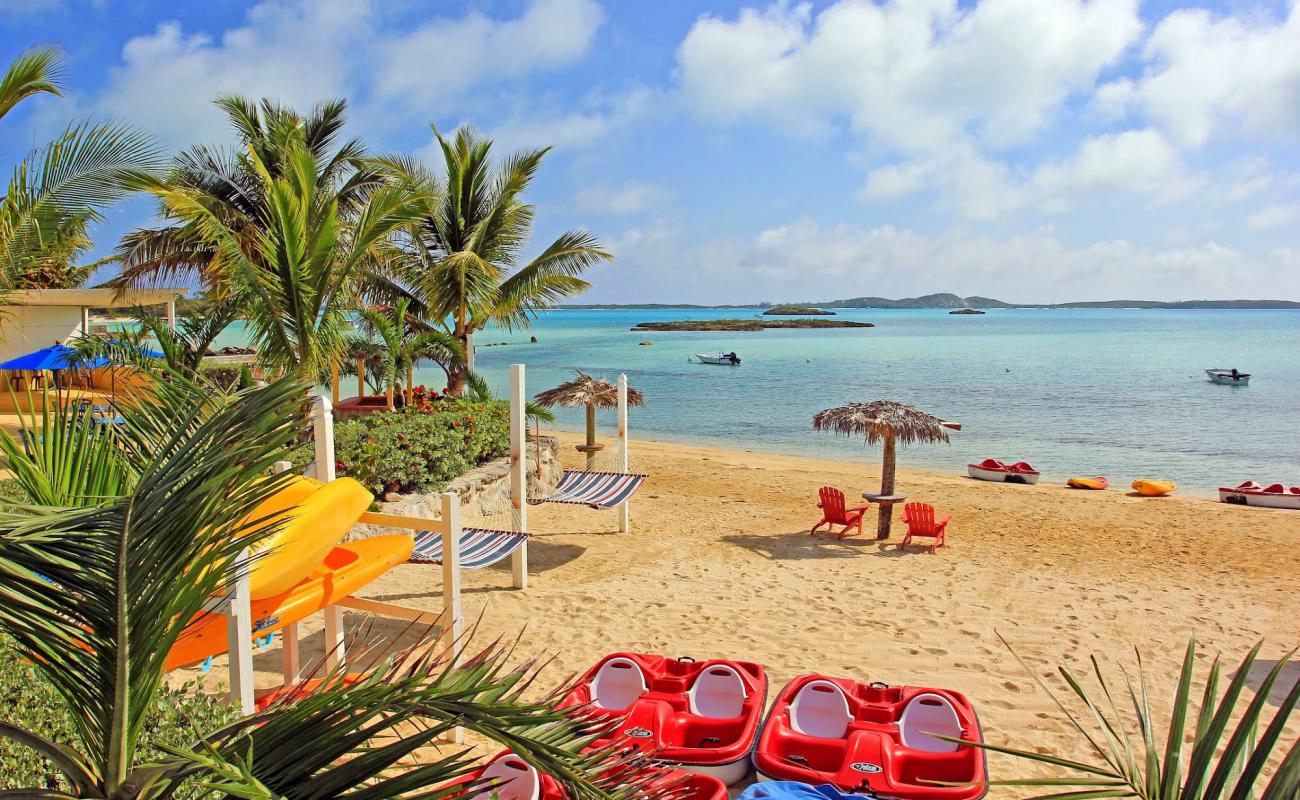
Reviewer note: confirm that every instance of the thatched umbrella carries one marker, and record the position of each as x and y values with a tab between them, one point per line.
890	422
593	393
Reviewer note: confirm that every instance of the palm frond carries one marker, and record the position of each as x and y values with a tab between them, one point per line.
37	71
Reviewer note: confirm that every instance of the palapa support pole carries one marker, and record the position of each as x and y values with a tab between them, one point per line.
409	394
361	376
624	508
334	383
239	637
591	448
518	474
886	513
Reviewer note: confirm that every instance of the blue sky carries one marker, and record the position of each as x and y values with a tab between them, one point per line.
1032	150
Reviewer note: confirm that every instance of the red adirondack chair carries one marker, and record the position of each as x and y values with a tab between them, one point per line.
921	521
834	512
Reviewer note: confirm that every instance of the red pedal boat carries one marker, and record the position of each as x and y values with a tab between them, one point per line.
872	738
509	777
992	469
701	715
1252	494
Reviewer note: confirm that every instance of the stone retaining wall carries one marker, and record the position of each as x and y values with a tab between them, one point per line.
482	490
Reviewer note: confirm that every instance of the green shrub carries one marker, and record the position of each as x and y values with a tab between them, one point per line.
420	449
179	719
227	376
245	377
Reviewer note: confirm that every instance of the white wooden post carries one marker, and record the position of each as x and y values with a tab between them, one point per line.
335	646
518	474
171	314
323	429
239	638
453	621
624	508
290	658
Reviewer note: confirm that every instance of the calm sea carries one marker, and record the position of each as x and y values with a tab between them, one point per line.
1074	392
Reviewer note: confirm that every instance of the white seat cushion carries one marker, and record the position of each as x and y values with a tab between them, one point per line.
718	692
928	714
618	684
514	779
820	709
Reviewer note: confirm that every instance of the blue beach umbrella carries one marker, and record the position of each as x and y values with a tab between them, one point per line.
52	358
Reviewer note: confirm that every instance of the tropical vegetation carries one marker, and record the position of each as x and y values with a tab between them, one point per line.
398	340
59	190
462	259
421	448
1213	749
124	537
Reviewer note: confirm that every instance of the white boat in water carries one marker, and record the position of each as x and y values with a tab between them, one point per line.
1228	377
1252	494
722	359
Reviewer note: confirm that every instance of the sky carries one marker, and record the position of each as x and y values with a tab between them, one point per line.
730	152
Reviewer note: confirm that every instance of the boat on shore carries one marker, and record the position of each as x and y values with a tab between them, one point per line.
1098	483
721	359
992	469
1228	377
1151	487
1252	494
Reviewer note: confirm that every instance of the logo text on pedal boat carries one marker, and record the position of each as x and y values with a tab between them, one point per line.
638	733
865	766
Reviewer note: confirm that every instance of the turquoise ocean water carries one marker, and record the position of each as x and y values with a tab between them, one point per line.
1074	392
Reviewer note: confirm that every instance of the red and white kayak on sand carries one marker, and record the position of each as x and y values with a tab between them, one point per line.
992	469
1252	494
509	777
700	715
872	739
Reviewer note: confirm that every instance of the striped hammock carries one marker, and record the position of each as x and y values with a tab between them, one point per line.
601	490
479	547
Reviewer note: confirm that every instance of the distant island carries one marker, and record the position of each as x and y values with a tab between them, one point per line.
731	325
968	311
953	301
797	311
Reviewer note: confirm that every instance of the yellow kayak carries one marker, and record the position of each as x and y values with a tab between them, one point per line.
1153	488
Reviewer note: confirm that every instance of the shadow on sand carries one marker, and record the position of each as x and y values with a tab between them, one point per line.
1288	678
799	545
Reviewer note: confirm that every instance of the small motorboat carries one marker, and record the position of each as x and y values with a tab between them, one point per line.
1228	377
722	359
1099	482
872	739
1148	487
992	469
509	777
700	715
1252	494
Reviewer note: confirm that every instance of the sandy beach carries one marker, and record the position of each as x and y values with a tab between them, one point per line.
719	564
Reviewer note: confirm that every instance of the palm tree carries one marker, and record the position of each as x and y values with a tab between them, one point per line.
59	190
461	258
403	342
230	185
183	347
299	266
99	586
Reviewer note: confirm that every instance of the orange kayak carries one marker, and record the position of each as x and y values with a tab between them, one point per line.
1098	482
345	570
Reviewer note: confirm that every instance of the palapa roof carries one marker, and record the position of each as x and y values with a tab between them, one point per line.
907	423
585	390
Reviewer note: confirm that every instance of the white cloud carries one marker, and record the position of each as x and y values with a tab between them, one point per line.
1214	75
446	56
1275	216
786	262
303	51
629	198
917	75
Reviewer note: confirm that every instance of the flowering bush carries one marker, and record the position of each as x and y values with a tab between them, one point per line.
419	449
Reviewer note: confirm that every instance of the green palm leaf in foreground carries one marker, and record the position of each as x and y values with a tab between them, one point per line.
1227	757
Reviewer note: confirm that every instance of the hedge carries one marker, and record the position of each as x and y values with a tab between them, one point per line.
419	449
179	719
